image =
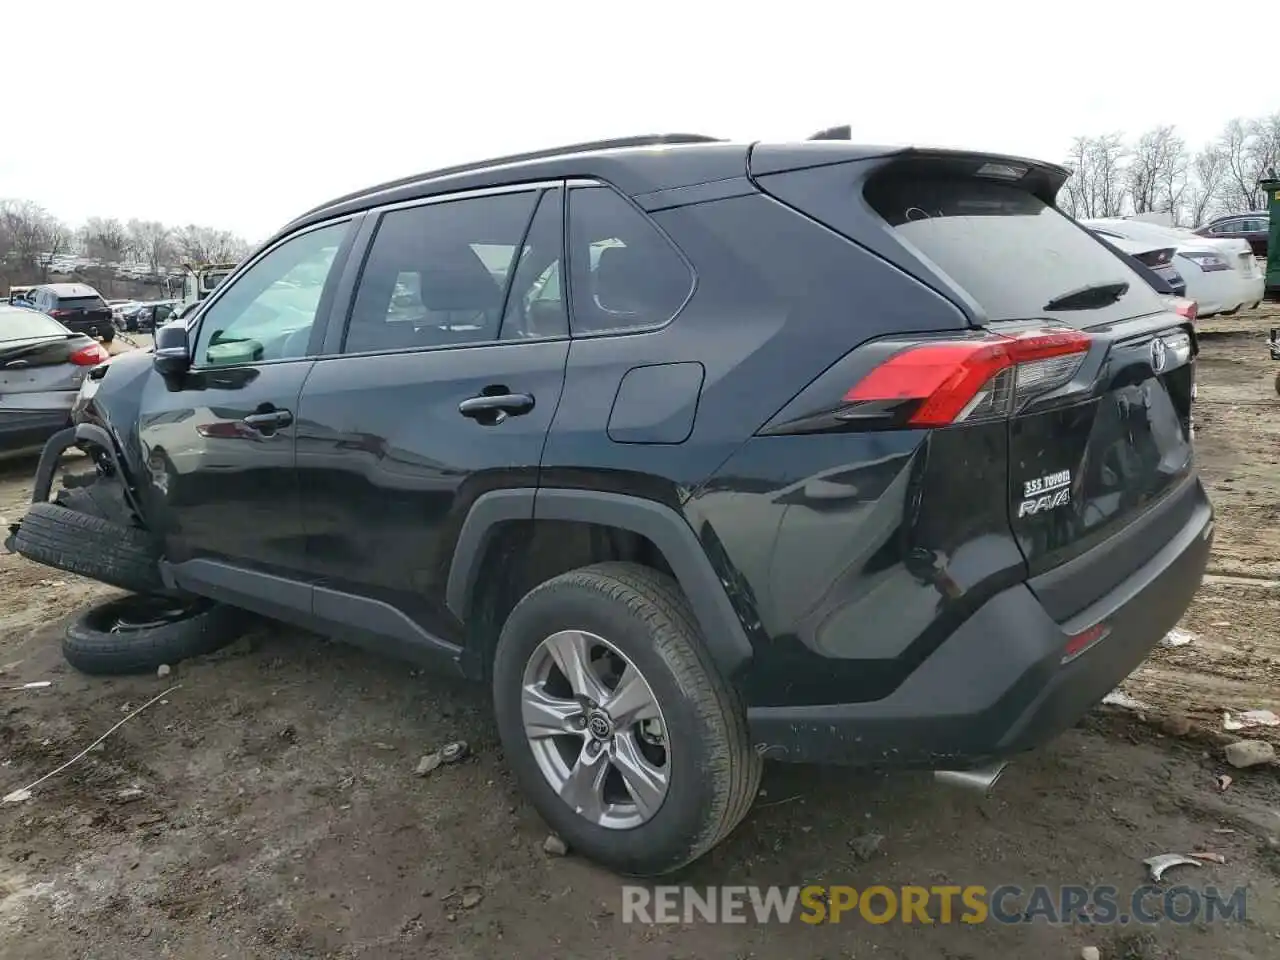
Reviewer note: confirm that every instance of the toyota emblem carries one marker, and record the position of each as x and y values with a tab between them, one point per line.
1159	352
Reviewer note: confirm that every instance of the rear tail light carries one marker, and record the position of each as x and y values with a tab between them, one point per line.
59	313
980	379
1208	262
1187	309
1156	258
89	356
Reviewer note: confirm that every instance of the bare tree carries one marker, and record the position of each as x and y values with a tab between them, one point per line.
1208	177
1097	184
34	236
1252	147
1264	151
1157	172
1238	189
150	241
58	239
106	239
208	245
1074	198
1109	155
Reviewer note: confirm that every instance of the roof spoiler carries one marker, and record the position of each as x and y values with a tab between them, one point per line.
834	133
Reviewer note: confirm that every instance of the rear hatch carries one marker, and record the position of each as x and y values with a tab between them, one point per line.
89	315
1072	348
1099	436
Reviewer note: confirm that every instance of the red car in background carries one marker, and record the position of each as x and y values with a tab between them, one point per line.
1252	226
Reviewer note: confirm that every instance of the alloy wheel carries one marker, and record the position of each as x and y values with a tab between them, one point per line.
596	729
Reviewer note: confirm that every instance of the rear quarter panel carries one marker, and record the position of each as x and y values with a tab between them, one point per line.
841	572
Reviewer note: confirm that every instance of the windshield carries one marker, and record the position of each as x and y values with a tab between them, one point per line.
1009	251
26	324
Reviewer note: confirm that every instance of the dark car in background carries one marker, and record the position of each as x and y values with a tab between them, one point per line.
42	365
1252	226
152	315
77	306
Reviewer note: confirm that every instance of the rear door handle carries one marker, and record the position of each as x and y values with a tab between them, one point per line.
268	423
493	409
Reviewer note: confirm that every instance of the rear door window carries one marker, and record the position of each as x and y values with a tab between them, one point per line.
1014	255
535	304
437	274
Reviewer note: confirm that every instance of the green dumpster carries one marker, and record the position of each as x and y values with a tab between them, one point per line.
1272	189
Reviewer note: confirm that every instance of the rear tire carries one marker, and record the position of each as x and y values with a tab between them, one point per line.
81	543
623	613
137	634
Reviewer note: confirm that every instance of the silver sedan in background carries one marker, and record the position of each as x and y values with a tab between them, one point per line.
42	365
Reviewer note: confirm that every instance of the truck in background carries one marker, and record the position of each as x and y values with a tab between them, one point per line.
200	279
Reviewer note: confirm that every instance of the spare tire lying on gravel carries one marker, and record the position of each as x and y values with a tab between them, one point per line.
112	553
136	634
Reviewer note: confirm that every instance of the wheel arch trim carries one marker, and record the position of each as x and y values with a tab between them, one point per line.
725	638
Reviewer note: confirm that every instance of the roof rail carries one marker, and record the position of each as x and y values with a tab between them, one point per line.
646	140
834	133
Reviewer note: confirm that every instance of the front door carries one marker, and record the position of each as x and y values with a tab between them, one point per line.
444	386
219	440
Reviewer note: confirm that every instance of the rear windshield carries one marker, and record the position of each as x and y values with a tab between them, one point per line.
1012	253
81	303
18	324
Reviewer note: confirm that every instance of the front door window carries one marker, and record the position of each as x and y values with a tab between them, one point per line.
268	312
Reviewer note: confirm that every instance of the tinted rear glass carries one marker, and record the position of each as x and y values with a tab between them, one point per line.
17	324
81	303
1007	249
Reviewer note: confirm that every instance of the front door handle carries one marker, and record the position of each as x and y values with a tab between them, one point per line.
269	422
492	409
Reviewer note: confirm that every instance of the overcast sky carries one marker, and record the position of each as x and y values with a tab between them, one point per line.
242	114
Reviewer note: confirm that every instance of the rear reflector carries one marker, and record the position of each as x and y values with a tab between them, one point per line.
965	380
89	356
1082	641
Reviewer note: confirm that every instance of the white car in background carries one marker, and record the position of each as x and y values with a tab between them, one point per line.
1221	274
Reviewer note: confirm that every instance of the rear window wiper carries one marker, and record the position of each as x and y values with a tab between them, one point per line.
1089	297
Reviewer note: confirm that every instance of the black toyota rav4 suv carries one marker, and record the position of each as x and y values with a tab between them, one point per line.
699	453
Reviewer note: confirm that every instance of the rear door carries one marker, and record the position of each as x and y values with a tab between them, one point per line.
1111	439
440	387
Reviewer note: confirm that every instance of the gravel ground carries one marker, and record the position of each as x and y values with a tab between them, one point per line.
272	809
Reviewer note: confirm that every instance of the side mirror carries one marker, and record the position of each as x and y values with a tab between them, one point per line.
172	351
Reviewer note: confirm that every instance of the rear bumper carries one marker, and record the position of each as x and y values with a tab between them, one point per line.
27	430
997	686
1255	290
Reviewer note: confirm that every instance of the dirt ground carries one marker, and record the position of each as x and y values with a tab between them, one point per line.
276	814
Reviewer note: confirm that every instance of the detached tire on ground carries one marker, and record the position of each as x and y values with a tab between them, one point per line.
622	732
88	545
137	634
